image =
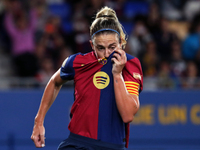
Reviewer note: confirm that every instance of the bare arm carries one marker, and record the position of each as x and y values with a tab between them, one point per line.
50	93
127	104
9	24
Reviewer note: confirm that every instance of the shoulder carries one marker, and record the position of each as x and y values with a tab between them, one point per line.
78	57
67	71
69	60
129	57
132	72
132	60
133	67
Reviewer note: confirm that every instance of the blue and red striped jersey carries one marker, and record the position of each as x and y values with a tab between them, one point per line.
94	113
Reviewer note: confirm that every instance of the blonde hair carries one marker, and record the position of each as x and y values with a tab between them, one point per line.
106	18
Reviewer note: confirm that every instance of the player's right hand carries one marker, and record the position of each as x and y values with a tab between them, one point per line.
119	59
38	135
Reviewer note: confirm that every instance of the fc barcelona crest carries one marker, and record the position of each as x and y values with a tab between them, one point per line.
102	61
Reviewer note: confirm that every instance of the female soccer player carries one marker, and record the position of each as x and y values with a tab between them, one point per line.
107	84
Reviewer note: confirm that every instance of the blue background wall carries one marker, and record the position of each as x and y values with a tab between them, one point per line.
166	120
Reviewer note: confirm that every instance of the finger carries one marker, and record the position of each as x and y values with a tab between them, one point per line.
36	141
42	138
118	50
121	52
122	59
115	61
117	56
34	138
122	55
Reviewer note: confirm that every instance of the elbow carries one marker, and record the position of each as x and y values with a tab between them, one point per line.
136	109
127	119
55	84
52	81
55	81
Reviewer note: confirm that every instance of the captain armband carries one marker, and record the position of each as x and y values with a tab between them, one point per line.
132	87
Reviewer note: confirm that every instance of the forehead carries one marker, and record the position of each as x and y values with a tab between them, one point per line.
106	38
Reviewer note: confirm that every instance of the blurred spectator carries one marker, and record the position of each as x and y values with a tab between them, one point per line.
191	80
164	69
4	39
150	60
42	14
164	38
165	76
81	35
40	50
91	8
138	38
64	53
21	31
46	71
177	63
118	6
153	18
191	45
13	5
50	46
52	41
1	6
78	8
10	6
172	8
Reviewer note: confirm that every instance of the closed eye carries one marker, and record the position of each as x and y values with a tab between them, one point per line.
100	48
112	47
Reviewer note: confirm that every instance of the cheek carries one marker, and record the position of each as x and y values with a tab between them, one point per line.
99	54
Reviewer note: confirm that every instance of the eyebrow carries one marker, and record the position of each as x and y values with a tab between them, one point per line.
108	45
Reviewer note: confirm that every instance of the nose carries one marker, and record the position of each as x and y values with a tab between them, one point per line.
107	53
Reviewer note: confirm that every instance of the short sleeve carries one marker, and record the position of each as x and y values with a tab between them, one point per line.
133	76
67	71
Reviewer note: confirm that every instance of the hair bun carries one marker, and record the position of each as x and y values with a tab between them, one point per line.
106	12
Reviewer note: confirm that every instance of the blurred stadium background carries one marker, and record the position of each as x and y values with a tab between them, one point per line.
36	36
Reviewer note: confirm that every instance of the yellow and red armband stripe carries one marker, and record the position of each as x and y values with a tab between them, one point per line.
132	87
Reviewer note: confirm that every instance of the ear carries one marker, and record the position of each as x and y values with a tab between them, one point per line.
121	43
120	40
91	44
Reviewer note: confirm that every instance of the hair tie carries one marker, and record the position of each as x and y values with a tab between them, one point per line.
107	29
